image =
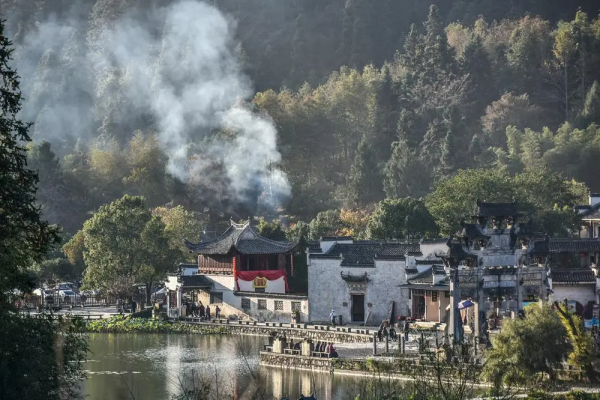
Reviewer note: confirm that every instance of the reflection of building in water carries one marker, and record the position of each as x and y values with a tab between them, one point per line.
292	383
174	354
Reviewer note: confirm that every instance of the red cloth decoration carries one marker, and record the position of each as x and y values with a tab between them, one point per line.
271	275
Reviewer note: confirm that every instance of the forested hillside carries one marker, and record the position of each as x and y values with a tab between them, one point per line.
298	107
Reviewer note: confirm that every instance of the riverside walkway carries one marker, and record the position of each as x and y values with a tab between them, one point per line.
327	333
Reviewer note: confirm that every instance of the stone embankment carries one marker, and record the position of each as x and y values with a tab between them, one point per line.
321	333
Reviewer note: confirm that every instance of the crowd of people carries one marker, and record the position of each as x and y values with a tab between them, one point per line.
198	310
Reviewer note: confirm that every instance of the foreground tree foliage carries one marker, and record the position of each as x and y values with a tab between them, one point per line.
528	348
41	358
126	246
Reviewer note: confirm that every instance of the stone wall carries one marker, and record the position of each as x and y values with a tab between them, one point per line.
293	331
295	362
327	290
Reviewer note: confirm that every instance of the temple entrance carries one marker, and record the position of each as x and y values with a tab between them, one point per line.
418	309
358	307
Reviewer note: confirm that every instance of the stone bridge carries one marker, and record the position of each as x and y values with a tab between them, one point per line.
321	333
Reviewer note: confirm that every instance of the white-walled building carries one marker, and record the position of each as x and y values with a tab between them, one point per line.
360	279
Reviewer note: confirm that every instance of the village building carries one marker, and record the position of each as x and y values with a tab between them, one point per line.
359	280
244	274
498	265
428	286
590	217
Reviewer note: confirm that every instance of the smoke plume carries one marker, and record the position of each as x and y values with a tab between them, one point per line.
176	66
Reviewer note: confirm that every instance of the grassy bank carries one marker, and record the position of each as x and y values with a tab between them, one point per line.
127	324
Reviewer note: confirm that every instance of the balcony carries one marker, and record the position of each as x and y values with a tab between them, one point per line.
215	270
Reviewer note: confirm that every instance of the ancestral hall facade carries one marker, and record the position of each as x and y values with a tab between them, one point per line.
359	280
243	273
501	265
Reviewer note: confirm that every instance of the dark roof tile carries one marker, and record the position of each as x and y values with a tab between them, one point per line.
314	246
243	238
364	253
426	277
592	213
570	277
195	281
573	245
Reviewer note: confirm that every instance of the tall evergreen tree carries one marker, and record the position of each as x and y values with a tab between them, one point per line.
365	180
591	109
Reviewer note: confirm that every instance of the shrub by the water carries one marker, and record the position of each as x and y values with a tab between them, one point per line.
127	324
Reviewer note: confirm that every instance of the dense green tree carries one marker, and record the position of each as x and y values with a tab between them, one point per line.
528	346
365	180
401	219
547	195
298	231
591	108
271	230
179	224
25	238
326	223
125	246
52	193
74	249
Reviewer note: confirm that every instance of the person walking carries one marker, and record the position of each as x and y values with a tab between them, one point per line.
217	312
194	309
406	329
201	310
208	312
332	317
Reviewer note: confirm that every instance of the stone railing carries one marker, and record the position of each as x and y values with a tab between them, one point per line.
294	331
295	361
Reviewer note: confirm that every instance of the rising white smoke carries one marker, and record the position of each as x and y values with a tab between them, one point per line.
178	64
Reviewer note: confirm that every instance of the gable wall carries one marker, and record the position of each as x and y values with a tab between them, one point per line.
327	290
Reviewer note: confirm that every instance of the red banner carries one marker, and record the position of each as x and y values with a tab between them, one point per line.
270	275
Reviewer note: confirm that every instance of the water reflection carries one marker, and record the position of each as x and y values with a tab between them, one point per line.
158	367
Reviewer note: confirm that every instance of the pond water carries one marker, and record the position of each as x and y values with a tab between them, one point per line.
159	366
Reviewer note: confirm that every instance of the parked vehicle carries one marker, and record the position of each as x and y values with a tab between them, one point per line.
68	296
67	286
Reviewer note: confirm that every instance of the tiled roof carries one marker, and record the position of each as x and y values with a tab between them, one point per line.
364	253
195	281
336	238
242	238
426	277
573	245
473	231
591	214
314	246
569	277
428	261
435	241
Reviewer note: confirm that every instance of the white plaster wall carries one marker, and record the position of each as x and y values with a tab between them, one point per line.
581	293
233	303
327	290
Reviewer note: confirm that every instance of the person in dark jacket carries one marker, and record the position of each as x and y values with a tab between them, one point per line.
207	312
